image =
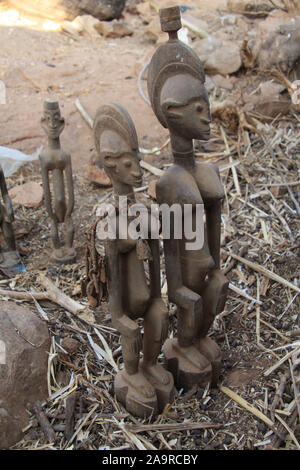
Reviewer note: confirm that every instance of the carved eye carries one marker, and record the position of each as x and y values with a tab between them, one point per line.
127	163
199	108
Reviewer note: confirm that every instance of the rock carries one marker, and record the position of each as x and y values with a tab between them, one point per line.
218	56
223	82
86	25
146	12
60	10
23	377
275	43
153	31
250	7
70	27
131	6
268	100
97	175
114	29
209	84
71	345
29	194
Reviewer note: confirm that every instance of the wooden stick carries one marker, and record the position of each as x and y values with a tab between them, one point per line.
84	114
169	427
264	271
53	293
281	361
44	422
58	297
24	295
246	405
288	430
151	168
278	394
70	415
243	294
258	312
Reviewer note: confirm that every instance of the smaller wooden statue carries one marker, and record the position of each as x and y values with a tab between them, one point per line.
144	387
9	258
56	171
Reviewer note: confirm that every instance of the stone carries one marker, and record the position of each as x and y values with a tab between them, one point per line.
71	345
275	43
70	27
223	82
146	12
114	29
68	9
86	25
261	7
23	368
218	56
153	31
29	194
97	175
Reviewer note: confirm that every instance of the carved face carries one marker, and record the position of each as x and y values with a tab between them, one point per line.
120	162
52	123
186	107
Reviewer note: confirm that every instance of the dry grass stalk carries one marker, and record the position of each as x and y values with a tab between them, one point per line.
265	272
234	396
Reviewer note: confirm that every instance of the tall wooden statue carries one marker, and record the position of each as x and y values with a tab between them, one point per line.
195	283
57	178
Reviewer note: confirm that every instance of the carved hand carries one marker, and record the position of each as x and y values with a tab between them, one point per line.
187	299
127	327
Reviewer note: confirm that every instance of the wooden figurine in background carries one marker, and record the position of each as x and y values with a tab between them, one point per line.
57	178
195	283
144	387
9	257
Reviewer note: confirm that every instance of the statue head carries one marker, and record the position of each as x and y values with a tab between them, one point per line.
117	145
176	84
52	121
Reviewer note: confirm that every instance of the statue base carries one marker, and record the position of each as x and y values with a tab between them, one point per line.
185	372
165	392
136	401
64	255
213	354
11	264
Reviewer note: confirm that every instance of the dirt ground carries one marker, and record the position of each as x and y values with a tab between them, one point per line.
260	224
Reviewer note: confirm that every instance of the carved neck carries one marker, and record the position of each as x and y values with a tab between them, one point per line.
183	151
123	189
54	144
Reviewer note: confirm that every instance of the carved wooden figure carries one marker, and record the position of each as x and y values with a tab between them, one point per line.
144	387
57	179
195	283
9	256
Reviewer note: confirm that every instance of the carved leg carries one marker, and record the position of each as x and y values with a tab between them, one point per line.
184	361
132	389
214	298
70	253
54	234
69	232
155	332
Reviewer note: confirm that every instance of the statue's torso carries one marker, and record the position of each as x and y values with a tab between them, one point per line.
199	186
